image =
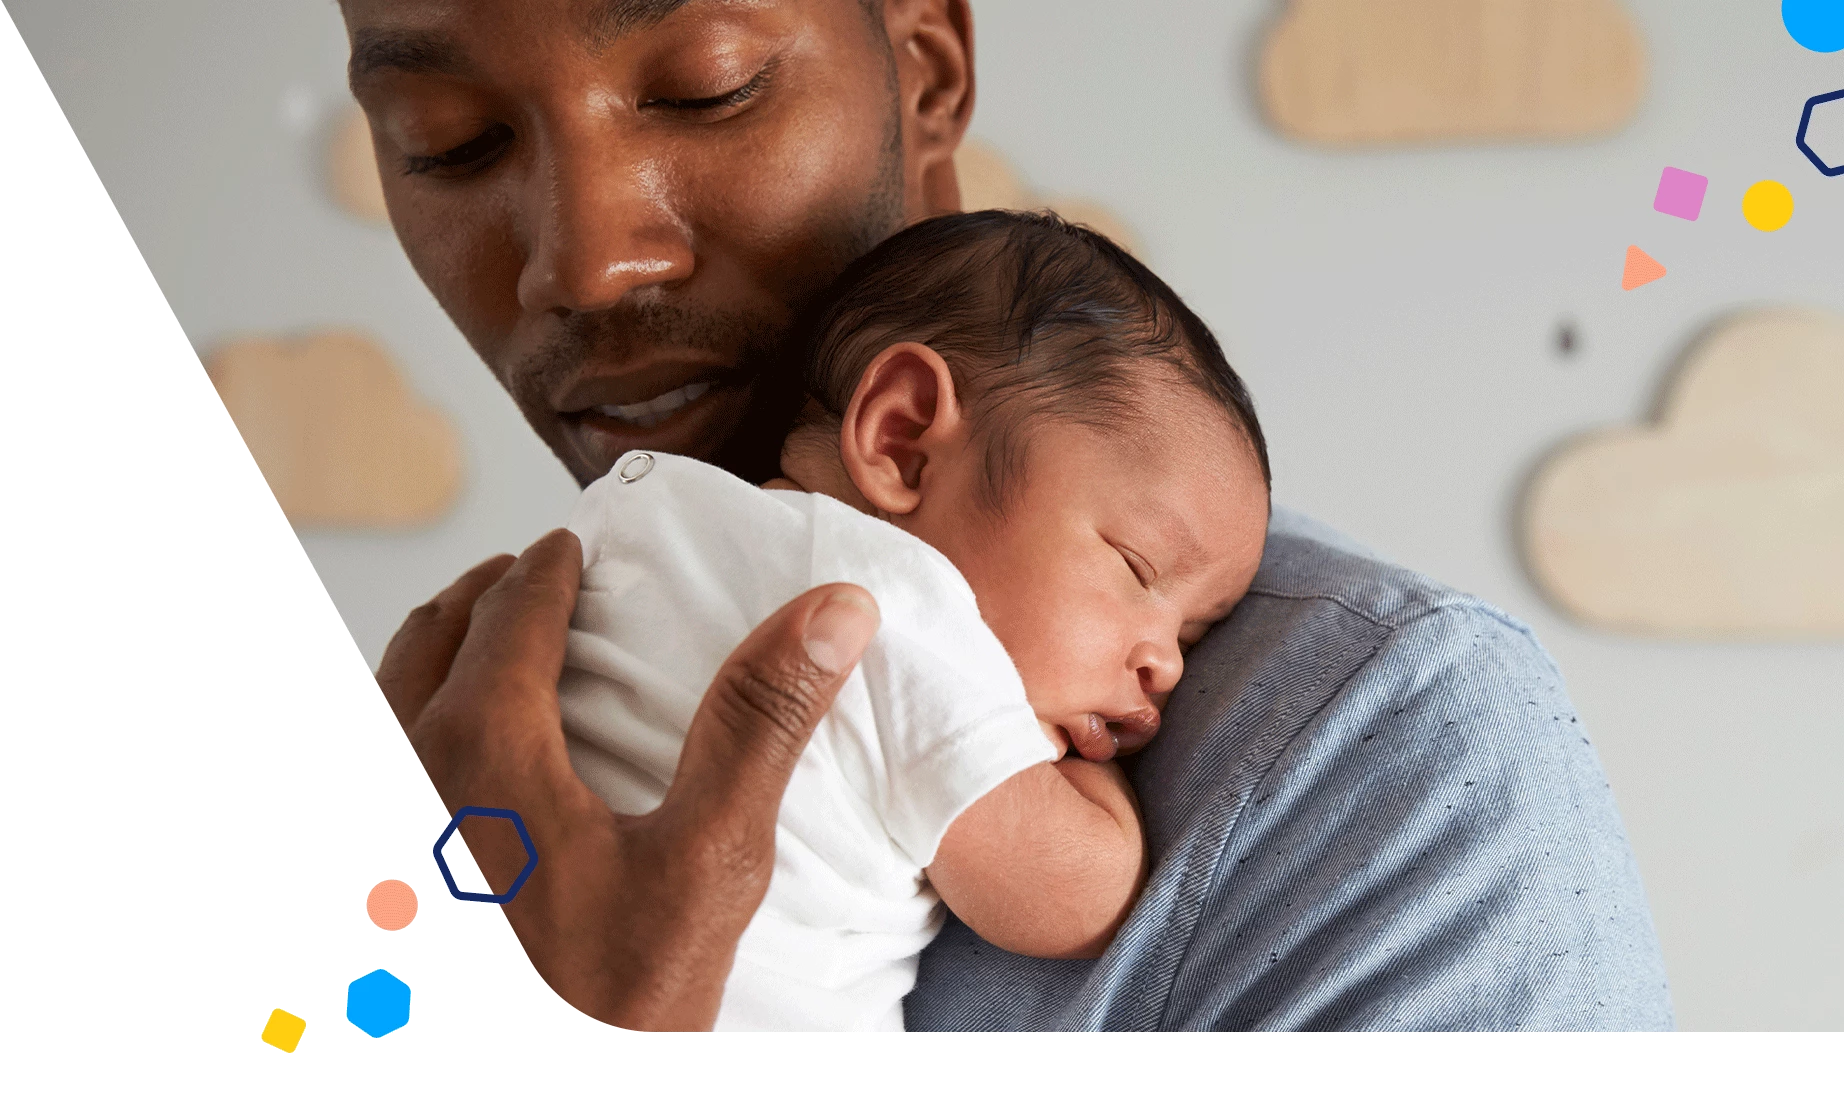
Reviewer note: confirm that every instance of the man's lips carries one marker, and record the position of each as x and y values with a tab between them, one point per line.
640	386
662	415
655	410
697	426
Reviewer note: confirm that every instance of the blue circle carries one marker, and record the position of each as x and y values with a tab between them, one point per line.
1815	24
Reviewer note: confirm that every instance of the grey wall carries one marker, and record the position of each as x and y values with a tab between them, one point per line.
1393	312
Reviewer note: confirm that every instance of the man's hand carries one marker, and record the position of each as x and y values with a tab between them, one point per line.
632	919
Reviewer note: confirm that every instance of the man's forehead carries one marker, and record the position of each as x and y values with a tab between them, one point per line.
420	37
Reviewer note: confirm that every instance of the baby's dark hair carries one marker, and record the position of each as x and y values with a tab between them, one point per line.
1034	316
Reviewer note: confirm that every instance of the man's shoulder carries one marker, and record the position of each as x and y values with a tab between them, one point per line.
1311	565
1370	806
1329	648
1340	667
1394	777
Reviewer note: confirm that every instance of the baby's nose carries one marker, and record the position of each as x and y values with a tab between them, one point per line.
1157	666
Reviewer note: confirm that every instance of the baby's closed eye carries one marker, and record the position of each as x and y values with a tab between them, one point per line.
1142	570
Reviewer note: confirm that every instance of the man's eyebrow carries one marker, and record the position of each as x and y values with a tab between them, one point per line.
613	18
422	52
411	51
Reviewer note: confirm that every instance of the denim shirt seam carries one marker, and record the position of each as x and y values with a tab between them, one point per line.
1427	608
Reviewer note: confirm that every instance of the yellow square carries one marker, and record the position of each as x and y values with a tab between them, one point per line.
284	1030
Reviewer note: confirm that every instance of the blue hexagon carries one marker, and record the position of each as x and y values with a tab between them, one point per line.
378	1003
518	824
1834	124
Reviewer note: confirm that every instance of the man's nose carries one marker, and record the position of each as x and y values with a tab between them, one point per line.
600	226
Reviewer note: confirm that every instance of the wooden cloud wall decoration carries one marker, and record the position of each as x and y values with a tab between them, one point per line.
1725	520
1373	72
352	169
337	432
988	180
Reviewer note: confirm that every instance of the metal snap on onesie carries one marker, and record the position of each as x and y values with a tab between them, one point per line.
636	468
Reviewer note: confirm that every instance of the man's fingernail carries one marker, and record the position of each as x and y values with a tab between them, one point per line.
839	630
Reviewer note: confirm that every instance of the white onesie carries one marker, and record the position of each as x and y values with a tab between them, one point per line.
680	562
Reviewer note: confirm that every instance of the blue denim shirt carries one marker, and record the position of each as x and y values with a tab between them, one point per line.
1371	807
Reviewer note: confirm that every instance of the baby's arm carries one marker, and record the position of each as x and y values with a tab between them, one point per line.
1048	863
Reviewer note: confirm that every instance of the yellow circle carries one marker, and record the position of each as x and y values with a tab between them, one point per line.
1767	205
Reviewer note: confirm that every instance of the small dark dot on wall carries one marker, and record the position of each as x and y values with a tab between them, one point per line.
1568	339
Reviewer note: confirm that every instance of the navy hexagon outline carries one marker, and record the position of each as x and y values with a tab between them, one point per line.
531	854
1805	121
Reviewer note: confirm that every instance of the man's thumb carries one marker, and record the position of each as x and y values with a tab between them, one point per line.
765	703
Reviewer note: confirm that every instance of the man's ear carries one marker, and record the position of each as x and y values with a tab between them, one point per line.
932	42
903	417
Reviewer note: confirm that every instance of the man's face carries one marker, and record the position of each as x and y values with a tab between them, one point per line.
623	203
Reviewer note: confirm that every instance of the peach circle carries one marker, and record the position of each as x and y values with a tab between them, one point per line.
391	905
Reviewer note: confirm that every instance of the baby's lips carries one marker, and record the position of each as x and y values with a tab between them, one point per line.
1093	739
1133	731
1099	738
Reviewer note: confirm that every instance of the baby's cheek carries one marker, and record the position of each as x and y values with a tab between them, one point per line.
1025	642
1045	615
1059	661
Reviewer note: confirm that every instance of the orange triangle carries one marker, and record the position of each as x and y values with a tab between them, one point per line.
1640	269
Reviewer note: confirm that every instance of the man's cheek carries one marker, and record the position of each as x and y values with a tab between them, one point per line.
821	172
473	274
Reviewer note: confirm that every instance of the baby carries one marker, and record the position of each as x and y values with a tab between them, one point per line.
1038	461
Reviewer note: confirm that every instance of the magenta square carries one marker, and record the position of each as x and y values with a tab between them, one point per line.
1680	193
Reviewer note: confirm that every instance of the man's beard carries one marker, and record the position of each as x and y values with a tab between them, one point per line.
769	354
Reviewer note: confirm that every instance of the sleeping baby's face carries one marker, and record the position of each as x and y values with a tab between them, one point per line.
1113	554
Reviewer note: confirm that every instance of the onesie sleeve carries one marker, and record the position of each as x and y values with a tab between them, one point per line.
948	715
948	736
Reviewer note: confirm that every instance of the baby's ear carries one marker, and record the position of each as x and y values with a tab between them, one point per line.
903	416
